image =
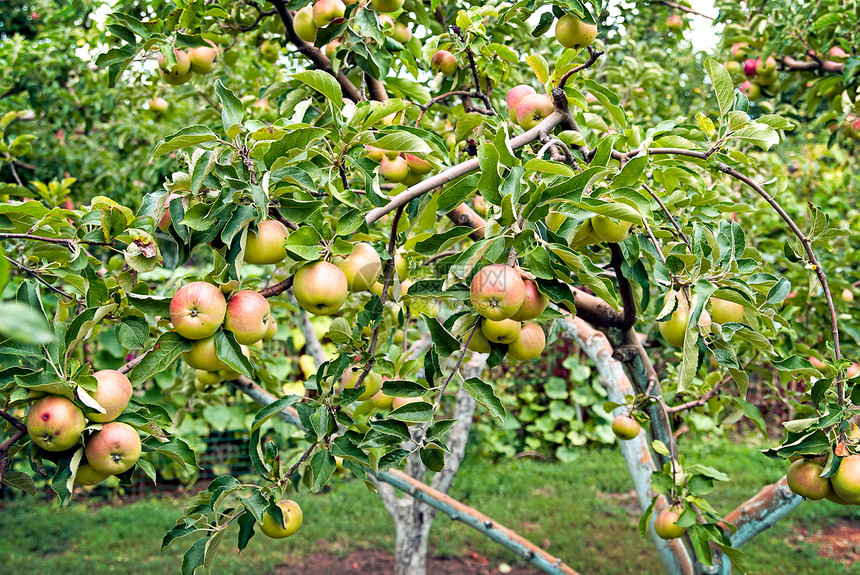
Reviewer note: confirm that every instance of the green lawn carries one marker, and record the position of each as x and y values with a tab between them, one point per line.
581	510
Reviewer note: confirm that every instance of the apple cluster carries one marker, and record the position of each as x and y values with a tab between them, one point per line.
406	169
722	311
199	60
804	477
753	74
55	423
392	28
506	301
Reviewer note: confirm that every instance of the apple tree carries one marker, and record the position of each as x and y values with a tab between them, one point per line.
449	185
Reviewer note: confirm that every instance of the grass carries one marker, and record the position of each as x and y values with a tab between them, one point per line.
582	512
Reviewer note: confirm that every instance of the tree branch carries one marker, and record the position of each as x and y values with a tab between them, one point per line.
629	306
7	445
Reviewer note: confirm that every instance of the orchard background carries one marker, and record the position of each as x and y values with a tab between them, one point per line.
346	235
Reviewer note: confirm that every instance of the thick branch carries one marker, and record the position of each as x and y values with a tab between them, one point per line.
793	65
278	288
629	309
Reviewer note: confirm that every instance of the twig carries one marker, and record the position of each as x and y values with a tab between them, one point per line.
683	8
709	394
38	277
301	460
68	242
278	288
7	445
593	55
668	214
274	212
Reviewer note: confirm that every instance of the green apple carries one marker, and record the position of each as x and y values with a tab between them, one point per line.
265	245
202	355
534	302
625	427
502	331
320	288
610	231
292	520
571	32
303	24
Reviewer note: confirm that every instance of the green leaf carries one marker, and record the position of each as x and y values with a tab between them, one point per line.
417	412
721	80
404	388
446	344
20	480
433	457
232	111
483	394
162	355
230	352
24	324
304	244
150	304
402	141
194	556
190	136
132	332
761	135
273	409
324	83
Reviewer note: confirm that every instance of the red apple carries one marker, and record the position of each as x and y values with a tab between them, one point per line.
534	303
497	291
158	105
202	59
529	344
325	11
113	394
532	109
54	423
247	316
114	449
393	169
515	95
445	62
197	310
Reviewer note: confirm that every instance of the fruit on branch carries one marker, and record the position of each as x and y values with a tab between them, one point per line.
735	69
534	302
381	401
765	67
739	51
271	330
202	59
751	90
445	62
724	311
361	267
393	169
331	48
804	478
674	22
205	379
304	26
837	54
480	206
529	344
164	222
411	179
180	69
374	154
609	230
54	423
270	51
113	394
674	329
247	316
86	475
750	65
324	11
399	402
818	364
114	449
532	109
202	355
625	427
174	80
515	95
666	527
292	520
387	5
372	382
266	244
497	291
847	295
571	32
503	331
401	33
418	165
197	310
846	481
386	23
554	220
157	105
479	343
401	266
320	288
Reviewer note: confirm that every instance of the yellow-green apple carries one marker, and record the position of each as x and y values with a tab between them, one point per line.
739	51
625	427
266	244
445	62
532	109
479	342
666	527
847	295
529	343
674	22
292	520
270	51
674	328
202	59
418	165
804	478
401	33
846	481
502	331
86	475
372	382
497	291
817	363
361	267
393	169
205	379
54	423
399	402
320	287
534	302
114	449
271	330
751	90
724	311
387	5
181	68
609	230
514	96
401	266
112	394
304	25
325	11
767	66
247	316
571	32
197	310
331	48
480	206
381	401
158	105
374	154
837	54
202	355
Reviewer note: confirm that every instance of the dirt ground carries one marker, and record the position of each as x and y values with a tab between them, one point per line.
839	542
371	562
